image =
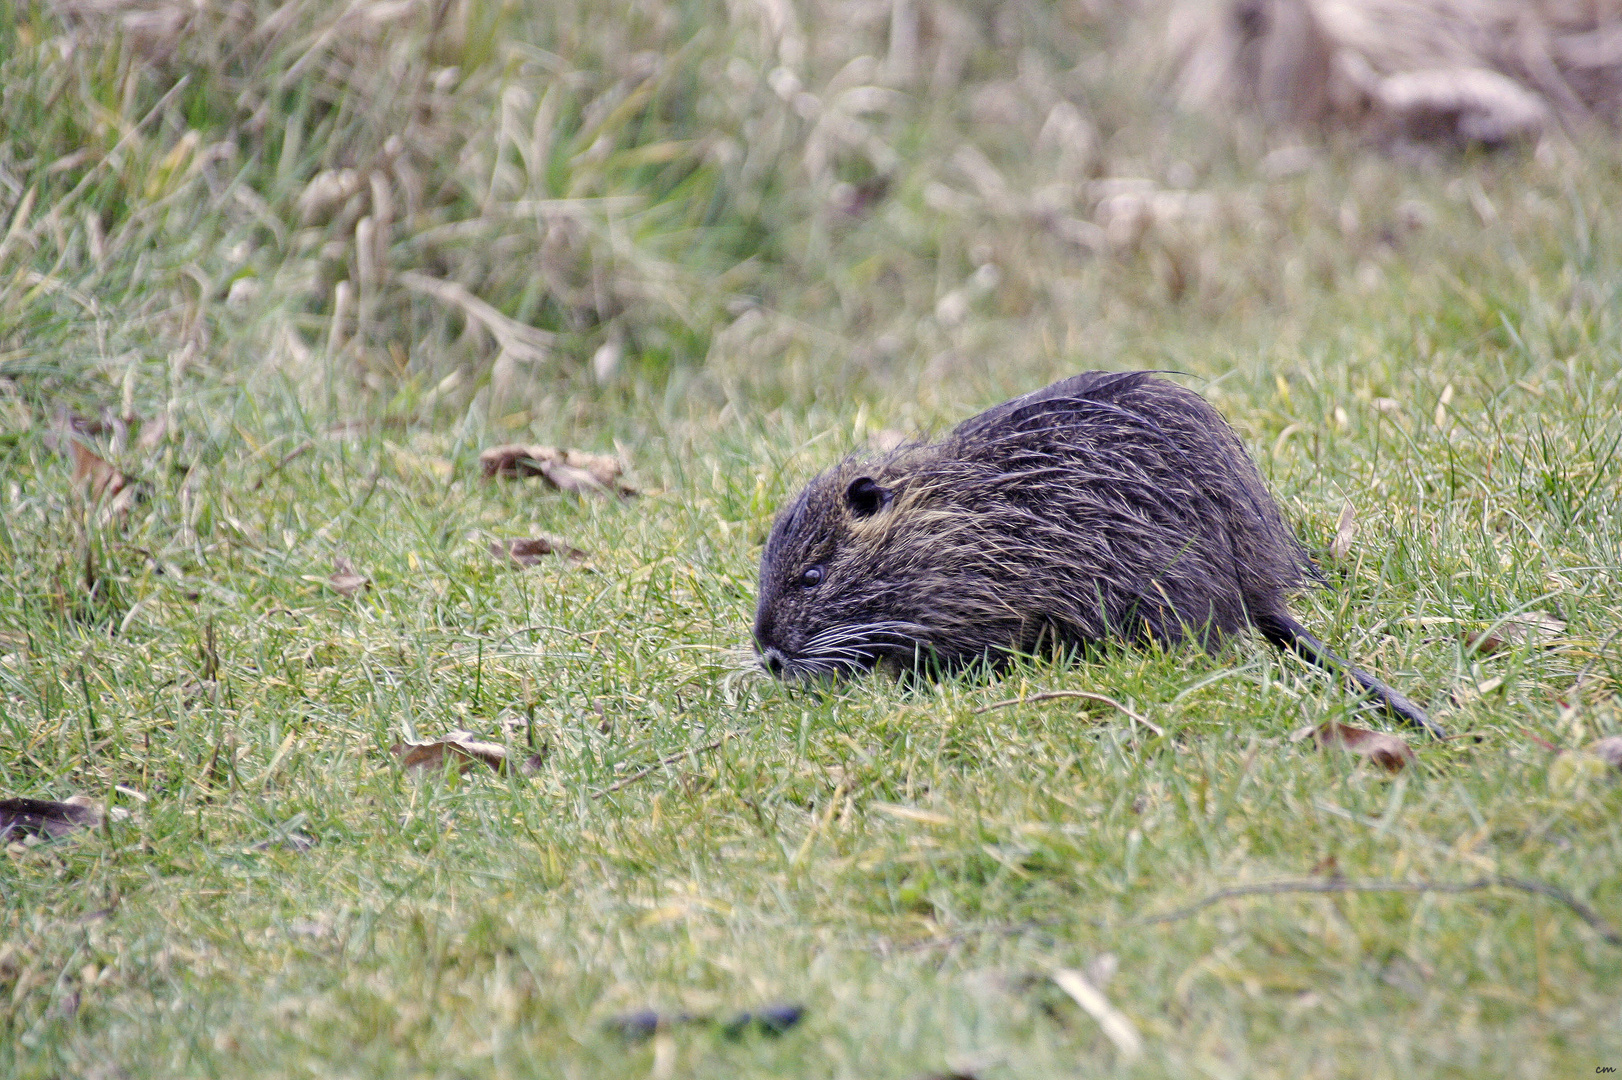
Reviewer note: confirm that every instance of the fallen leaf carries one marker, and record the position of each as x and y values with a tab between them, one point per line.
911	813
345	579
1345	532
567	470
99	480
1483	644
1533	628
527	551
1386	751
42	817
92	472
430	755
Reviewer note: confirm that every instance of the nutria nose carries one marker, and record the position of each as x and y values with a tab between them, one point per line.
773	661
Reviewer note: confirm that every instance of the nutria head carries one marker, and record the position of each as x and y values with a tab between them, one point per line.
829	602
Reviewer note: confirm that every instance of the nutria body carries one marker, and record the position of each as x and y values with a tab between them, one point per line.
1105	507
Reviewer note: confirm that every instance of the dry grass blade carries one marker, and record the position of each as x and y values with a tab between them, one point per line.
910	813
1345	532
522	342
1115	1024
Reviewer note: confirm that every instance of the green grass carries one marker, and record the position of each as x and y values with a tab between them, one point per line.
193	650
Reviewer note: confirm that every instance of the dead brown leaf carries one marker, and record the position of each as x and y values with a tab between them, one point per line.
527	551
1386	751
1345	532
94	475
42	817
99	480
1483	644
462	747
345	579
567	470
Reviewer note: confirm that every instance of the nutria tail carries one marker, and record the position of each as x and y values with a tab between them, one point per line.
1283	631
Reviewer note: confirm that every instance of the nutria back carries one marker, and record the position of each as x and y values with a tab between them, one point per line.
1107	506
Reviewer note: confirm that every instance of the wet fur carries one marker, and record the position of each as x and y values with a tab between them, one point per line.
1109	506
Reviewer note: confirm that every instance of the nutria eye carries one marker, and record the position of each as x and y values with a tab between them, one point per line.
811	578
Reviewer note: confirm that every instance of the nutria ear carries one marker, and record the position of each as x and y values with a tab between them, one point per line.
865	498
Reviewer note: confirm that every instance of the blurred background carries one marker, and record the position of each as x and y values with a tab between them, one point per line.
540	216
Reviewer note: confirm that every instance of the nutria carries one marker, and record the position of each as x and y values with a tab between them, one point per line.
1109	506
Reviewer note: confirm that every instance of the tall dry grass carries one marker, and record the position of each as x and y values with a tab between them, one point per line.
448	209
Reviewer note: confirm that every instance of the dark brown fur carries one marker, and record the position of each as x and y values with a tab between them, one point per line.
1107	506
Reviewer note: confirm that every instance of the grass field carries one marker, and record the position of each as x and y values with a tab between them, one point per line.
289	268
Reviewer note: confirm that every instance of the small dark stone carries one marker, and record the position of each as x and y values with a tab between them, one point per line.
640	1024
771	1020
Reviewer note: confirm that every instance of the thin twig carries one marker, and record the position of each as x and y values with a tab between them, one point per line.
962	937
634	777
302	448
1085	695
1336	885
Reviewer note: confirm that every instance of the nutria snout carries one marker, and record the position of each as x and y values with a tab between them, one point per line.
1108	506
